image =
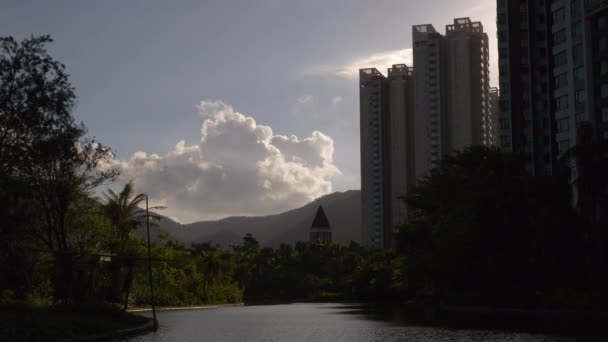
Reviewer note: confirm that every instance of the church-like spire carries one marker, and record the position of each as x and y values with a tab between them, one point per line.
320	221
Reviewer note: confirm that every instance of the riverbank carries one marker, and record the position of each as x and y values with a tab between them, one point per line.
23	322
181	308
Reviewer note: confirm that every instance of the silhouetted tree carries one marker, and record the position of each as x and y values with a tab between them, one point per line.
42	147
124	211
480	229
588	160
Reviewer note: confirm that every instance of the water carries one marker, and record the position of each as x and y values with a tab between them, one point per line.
316	322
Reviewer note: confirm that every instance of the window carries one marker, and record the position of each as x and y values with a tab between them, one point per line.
579	74
577	29
580	117
604	67
505	124
561	80
559	15
605	114
561	58
504	105
561	103
540	35
505	140
504	86
577	54
603	44
559	37
604	90
563	146
574	7
502	70
563	125
501	19
602	23
579	97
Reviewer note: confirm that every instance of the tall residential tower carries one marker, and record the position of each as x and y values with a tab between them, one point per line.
386	133
525	60
451	91
411	119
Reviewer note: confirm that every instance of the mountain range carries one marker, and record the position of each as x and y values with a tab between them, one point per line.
343	210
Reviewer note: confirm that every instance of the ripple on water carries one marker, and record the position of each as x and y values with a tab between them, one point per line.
317	323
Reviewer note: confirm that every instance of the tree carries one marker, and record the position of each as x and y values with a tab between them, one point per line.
211	263
245	256
43	148
588	161
124	210
479	226
40	142
590	158
35	100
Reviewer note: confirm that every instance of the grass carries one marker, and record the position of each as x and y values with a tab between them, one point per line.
23	322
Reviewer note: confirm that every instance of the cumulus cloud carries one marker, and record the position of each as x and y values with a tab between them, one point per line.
238	168
381	61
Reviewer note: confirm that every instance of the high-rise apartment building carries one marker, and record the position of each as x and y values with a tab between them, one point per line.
525	82
467	74
451	91
494	116
411	119
596	42
375	166
550	70
386	126
400	109
428	100
569	71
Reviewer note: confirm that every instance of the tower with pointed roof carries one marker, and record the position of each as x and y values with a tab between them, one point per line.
320	229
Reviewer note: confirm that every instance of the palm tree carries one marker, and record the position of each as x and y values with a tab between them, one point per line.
123	210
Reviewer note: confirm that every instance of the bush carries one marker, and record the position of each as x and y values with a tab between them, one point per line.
224	292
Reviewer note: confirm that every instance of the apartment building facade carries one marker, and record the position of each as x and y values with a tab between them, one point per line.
386	126
412	118
525	82
551	76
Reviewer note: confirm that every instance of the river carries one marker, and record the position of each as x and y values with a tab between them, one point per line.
317	322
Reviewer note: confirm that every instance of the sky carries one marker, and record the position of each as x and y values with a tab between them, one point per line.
222	108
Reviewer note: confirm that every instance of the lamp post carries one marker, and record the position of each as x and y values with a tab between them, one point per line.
150	266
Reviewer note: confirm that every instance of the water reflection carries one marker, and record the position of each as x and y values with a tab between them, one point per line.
319	322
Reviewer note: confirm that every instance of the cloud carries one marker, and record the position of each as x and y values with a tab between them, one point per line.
304	99
336	100
381	61
238	168
305	105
